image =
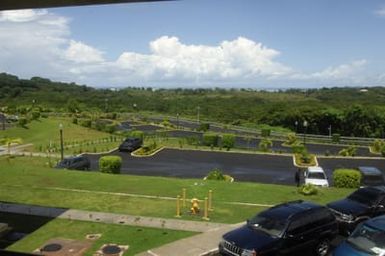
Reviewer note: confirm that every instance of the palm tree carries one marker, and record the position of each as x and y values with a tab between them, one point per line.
9	141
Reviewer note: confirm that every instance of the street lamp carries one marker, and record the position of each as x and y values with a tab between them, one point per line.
304	134
61	142
198	109
296	126
330	130
177	120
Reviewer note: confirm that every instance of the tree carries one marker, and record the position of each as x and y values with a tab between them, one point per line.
228	141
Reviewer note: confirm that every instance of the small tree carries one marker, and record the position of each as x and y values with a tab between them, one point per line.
228	141
349	151
210	139
291	139
110	164
23	121
203	127
265	145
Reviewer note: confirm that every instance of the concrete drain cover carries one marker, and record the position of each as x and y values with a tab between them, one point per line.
111	250
52	248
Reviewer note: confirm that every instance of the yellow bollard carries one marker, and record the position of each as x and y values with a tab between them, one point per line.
206	215
211	200
178	207
184	197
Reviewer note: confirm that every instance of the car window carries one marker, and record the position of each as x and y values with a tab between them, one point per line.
365	196
300	224
271	226
316	175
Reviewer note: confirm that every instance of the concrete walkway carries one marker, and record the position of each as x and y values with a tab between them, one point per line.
110	218
205	243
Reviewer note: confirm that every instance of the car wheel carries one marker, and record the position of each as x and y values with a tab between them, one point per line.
322	247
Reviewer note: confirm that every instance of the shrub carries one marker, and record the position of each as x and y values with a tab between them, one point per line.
85	123
228	141
192	140
265	145
336	137
291	139
215	174
110	164
298	149
110	128
265	132
35	115
23	121
349	151
305	158
383	151
346	178
210	139
203	127
308	189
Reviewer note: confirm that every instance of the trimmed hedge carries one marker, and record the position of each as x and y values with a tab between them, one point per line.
210	139
346	178
110	164
228	141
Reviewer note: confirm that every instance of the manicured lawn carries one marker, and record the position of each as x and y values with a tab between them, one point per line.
139	239
28	180
46	130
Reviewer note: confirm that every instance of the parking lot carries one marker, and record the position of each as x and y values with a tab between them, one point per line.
273	169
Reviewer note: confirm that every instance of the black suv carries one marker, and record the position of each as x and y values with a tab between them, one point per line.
130	144
74	163
371	176
283	229
361	205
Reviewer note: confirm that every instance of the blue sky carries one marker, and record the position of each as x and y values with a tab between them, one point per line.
200	43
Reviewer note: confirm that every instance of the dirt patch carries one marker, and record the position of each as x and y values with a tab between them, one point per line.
63	247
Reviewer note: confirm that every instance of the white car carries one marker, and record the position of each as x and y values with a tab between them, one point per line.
315	175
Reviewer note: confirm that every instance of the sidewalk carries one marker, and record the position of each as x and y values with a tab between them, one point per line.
110	218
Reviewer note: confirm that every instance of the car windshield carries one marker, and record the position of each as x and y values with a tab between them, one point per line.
368	239
364	196
316	175
372	180
271	226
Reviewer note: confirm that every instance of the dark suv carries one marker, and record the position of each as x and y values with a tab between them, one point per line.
283	229
361	205
371	176
75	163
130	144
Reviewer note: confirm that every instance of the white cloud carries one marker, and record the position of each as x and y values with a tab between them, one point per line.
380	12
21	15
39	43
82	53
171	59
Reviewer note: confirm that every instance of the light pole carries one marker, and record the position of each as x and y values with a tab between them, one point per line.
304	134
296	126
177	120
61	142
198	109
330	130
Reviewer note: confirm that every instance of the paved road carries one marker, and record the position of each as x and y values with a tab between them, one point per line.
196	164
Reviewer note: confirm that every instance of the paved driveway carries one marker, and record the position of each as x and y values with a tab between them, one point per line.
196	164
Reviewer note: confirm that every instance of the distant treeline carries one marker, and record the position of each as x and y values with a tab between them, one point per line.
349	111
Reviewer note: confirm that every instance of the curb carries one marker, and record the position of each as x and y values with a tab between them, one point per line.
304	166
152	154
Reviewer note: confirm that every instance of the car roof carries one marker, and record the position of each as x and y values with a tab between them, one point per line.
375	189
369	170
73	157
378	222
315	169
286	210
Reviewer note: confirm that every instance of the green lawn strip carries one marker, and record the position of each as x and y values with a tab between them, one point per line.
27	180
139	239
41	132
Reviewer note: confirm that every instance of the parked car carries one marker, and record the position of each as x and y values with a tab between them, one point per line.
131	144
286	228
315	175
74	163
361	205
367	239
371	176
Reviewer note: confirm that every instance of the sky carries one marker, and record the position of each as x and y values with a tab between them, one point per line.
200	43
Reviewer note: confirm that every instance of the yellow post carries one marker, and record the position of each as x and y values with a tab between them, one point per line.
184	197
178	207
211	200
206	214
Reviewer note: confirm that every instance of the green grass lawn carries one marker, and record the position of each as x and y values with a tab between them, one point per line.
139	239
29	180
45	131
